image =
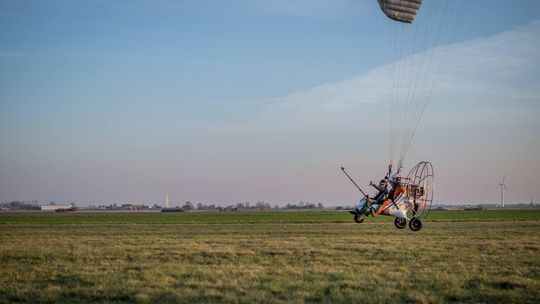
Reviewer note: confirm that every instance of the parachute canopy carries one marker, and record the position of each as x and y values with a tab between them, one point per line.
401	10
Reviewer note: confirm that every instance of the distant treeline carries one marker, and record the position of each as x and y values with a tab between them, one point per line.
260	205
187	206
20	205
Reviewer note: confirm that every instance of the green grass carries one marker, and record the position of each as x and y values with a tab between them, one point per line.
250	216
268	257
484	215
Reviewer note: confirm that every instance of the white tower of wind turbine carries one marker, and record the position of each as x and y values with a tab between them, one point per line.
166	200
503	188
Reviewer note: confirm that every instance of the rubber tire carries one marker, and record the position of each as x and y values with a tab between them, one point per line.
415	224
359	218
400	223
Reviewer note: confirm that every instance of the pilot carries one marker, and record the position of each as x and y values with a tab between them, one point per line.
381	197
393	195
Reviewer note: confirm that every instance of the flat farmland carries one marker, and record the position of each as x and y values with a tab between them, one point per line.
268	257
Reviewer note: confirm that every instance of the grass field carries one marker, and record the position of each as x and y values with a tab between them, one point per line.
250	216
268	257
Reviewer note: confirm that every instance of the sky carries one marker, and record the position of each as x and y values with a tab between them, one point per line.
264	100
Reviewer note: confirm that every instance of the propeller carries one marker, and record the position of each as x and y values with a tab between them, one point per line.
503	183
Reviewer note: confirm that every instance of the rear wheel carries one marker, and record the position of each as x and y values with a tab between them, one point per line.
359	218
415	224
400	223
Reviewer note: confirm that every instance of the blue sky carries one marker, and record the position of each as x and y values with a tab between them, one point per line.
232	101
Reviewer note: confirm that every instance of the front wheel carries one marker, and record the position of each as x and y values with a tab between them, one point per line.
359	218
415	224
400	223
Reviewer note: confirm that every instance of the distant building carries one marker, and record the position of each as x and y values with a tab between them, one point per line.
55	207
128	207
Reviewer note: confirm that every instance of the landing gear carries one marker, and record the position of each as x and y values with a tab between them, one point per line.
415	224
359	218
400	223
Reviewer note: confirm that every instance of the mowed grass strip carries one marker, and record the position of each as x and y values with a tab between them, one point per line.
484	215
250	216
270	262
176	217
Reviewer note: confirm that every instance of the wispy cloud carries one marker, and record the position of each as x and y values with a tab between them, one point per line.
497	68
330	100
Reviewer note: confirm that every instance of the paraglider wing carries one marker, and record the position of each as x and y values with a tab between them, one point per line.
401	10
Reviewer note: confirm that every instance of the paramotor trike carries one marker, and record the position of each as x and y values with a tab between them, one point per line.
413	202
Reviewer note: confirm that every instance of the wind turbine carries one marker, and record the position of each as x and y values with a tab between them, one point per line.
503	187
